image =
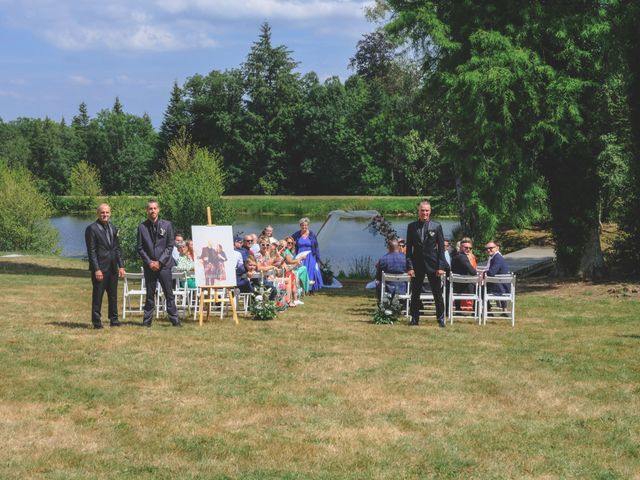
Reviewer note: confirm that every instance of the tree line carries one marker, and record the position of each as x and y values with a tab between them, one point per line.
513	111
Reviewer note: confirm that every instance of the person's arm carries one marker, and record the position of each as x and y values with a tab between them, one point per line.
409	245
92	248
140	247
166	255
442	263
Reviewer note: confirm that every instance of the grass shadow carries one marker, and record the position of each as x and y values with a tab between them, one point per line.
30	268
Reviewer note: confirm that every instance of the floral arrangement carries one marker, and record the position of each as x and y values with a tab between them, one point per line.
261	307
388	311
379	225
326	272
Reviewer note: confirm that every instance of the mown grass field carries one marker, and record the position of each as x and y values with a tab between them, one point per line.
318	393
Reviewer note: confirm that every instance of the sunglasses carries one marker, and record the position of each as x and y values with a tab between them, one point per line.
489	248
264	244
248	240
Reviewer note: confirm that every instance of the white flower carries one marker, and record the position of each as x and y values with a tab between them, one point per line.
387	312
258	298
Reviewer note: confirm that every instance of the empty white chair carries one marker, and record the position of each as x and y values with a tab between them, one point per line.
473	296
402	297
133	286
509	297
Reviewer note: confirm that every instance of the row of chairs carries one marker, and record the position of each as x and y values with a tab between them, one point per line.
187	299
480	297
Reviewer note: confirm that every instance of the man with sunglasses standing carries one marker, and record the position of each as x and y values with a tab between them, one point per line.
425	257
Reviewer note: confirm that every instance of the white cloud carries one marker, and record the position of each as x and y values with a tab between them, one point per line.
162	25
80	80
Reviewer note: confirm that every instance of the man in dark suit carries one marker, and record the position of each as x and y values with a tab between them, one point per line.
496	266
425	257
105	264
155	247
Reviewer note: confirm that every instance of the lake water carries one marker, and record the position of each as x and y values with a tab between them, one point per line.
349	240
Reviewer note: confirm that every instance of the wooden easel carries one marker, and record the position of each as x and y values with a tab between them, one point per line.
216	294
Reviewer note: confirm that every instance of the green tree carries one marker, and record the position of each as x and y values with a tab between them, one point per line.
192	180
520	86
24	214
176	116
84	180
273	93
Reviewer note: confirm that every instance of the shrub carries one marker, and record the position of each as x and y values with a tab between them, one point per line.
126	214
24	214
192	181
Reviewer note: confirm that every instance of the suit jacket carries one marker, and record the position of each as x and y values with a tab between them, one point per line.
461	265
102	256
425	255
497	266
158	247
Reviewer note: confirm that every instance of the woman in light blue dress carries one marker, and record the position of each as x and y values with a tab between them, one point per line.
306	241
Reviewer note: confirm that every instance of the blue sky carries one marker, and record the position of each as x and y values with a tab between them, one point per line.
55	54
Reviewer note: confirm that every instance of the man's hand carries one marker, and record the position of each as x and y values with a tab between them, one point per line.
99	275
121	272
411	273
154	265
440	272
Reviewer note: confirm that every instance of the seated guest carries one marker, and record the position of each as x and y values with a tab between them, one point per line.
464	263
176	253
250	280
291	279
190	249
265	265
393	262
296	263
268	232
255	248
496	266
185	264
247	243
238	247
403	245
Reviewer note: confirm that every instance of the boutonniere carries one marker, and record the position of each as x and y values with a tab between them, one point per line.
432	233
117	234
161	232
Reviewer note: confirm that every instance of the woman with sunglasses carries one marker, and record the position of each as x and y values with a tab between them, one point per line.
290	274
295	264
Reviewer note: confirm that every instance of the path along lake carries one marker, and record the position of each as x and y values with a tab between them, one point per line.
348	241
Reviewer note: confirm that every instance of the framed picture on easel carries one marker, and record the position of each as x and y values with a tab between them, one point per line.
214	261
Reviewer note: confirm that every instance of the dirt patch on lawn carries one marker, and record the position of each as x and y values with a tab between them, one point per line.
551	287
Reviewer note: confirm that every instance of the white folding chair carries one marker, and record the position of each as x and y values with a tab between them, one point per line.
133	286
509	297
474	296
243	302
402	297
426	297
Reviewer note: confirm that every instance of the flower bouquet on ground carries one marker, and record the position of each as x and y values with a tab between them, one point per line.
388	311
261	307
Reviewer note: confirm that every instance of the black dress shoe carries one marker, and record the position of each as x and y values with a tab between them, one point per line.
97	326
115	323
146	324
413	322
442	323
177	324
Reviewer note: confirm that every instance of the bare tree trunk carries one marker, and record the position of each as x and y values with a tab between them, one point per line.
592	266
462	206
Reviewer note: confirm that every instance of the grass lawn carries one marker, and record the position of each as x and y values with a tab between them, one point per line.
318	392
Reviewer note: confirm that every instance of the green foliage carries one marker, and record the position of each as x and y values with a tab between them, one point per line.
361	267
24	214
388	312
84	180
192	180
127	213
261	308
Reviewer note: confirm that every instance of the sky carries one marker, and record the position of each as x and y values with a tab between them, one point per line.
55	54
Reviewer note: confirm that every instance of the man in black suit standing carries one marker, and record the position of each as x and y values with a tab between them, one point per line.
105	264
155	247
425	257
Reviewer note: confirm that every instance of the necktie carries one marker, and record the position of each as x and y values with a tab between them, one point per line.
107	228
